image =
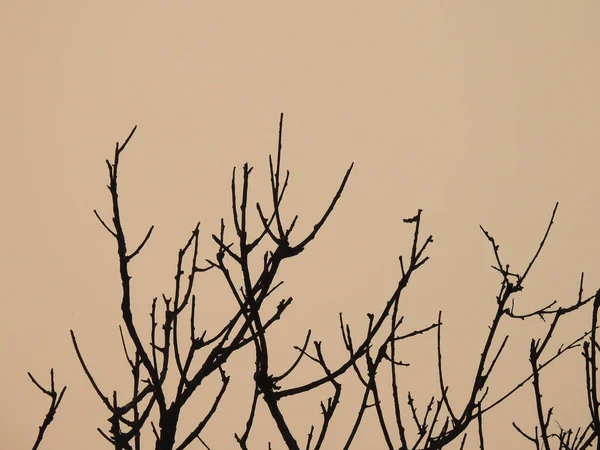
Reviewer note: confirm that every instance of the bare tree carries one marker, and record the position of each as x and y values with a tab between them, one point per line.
442	423
55	398
175	346
584	437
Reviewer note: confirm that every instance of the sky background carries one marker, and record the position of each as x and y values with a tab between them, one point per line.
476	112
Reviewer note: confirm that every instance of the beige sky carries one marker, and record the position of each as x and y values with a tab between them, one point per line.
477	112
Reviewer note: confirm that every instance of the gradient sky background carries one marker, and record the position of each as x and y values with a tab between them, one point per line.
477	112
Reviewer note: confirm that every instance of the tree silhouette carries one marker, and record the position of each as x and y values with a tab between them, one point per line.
55	397
175	346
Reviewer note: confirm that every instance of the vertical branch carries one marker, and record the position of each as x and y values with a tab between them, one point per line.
480	428
372	386
443	388
124	259
361	411
593	386
242	441
397	413
533	358
55	397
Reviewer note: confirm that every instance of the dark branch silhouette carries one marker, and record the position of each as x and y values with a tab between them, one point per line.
187	356
55	399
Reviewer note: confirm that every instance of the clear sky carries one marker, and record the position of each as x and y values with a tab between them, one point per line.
477	112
